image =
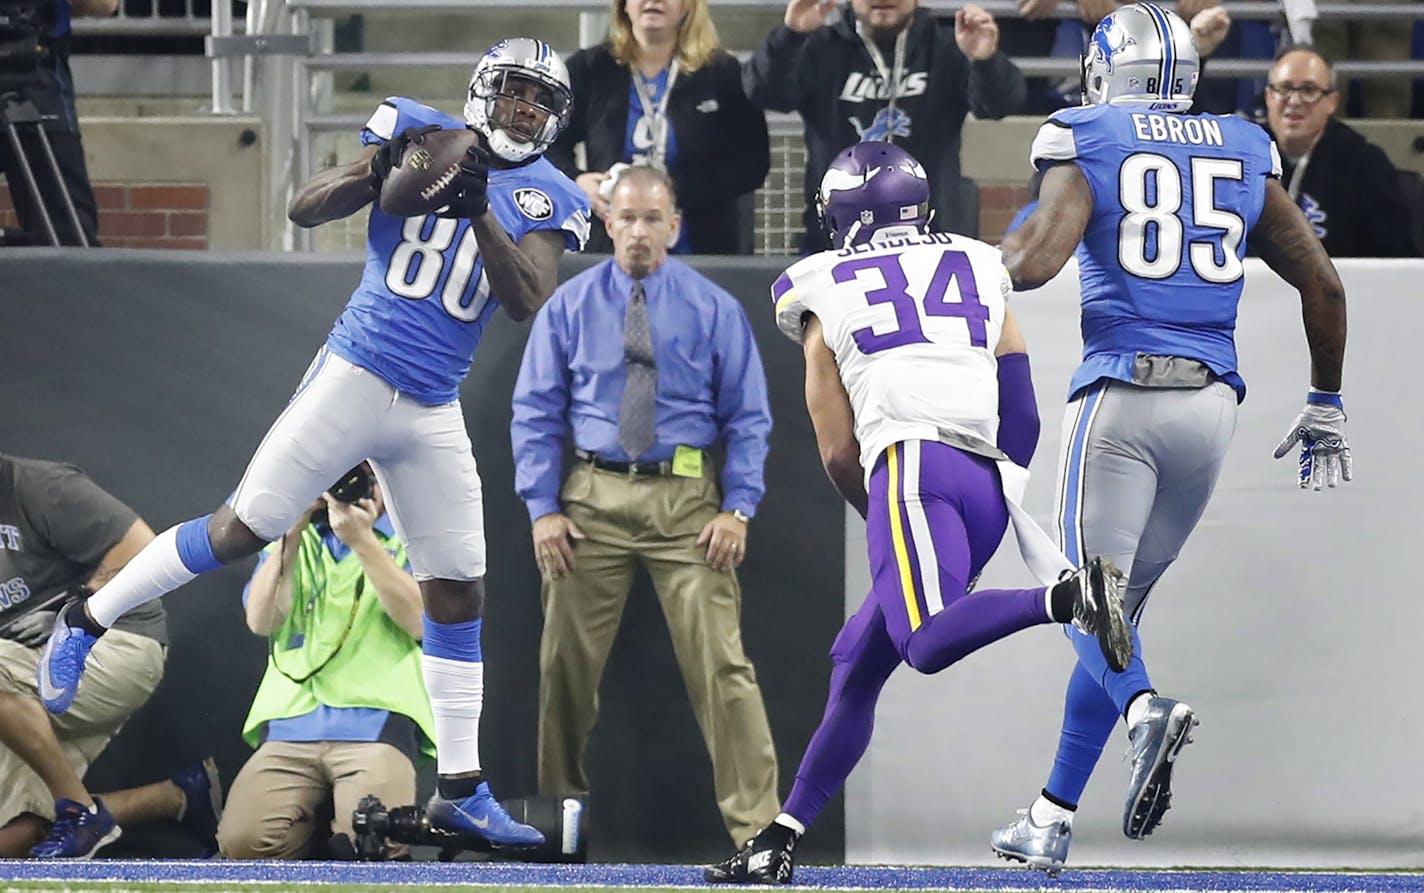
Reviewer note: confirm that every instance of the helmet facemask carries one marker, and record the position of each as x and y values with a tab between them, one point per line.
519	99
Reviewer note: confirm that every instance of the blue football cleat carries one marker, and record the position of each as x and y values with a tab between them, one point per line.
202	802
1157	739
62	664
480	815
1044	847
77	832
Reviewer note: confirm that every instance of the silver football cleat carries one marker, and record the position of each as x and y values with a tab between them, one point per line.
1044	847
1157	739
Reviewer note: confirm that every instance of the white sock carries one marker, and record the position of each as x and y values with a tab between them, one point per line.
788	821
457	693
157	569
1045	812
1137	707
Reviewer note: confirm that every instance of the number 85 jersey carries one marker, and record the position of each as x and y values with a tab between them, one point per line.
914	323
424	300
1174	197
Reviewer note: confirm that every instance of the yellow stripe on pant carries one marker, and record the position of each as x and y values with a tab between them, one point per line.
897	536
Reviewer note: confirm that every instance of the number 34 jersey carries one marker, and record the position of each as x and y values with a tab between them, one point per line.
914	323
423	301
1174	197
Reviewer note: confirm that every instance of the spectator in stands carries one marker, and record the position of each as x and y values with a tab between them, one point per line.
886	70
643	410
1374	40
341	711
1032	33
61	536
51	90
661	92
1345	185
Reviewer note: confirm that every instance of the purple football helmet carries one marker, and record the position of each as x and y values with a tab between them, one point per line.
871	186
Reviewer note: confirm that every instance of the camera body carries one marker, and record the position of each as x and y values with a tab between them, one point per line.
357	484
564	821
24	26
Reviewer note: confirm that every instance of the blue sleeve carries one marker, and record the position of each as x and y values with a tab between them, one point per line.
743	409
541	403
397	113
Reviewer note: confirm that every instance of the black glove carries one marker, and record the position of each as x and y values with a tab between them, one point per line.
390	153
30	629
470	188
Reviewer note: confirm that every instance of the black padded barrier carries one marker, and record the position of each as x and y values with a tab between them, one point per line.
158	373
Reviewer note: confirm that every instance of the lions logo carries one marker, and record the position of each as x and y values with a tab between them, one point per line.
1109	39
534	204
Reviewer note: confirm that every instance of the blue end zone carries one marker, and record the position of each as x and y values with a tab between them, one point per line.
867	878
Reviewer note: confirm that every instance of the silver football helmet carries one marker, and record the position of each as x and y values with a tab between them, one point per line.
1141	55
516	59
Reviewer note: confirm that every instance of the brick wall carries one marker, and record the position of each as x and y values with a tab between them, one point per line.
998	203
143	215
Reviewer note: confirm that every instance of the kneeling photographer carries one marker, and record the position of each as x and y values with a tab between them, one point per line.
341	712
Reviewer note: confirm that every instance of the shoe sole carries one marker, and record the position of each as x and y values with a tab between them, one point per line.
1051	867
1145	815
1114	638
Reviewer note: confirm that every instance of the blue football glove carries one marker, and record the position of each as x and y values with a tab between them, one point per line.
1320	432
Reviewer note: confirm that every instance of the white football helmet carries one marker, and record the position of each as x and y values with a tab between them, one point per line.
1141	55
519	58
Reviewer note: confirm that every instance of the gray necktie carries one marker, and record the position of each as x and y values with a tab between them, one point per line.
638	411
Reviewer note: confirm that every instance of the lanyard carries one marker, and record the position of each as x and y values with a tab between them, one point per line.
890	77
655	113
1297	178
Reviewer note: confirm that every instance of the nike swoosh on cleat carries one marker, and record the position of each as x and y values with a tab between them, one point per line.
48	692
482	824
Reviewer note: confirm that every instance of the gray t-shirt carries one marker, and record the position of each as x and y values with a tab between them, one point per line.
56	525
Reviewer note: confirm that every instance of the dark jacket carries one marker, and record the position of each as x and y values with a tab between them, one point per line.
1350	193
828	77
723	151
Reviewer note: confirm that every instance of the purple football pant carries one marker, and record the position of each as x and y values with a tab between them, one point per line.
936	516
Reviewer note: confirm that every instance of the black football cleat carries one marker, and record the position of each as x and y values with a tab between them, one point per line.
768	858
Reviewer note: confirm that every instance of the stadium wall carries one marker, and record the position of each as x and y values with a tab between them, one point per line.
1290	621
158	372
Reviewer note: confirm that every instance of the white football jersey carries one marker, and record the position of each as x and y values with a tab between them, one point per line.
914	322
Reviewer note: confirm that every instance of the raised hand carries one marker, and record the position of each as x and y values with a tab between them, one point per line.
976	33
807	15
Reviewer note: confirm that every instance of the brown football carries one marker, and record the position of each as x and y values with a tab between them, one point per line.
420	184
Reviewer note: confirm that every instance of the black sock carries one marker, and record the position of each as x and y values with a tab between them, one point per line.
1061	599
76	616
777	836
461	788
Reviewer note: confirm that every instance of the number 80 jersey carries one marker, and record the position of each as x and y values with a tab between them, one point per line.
1174	197
914	323
424	300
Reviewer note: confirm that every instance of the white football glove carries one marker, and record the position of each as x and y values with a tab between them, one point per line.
1320	431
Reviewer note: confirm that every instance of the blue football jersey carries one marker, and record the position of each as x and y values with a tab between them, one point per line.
424	300
1160	264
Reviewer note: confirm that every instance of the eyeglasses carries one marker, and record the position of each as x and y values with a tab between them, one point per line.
1306	93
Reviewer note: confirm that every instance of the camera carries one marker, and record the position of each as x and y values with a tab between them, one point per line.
23	28
563	820
354	485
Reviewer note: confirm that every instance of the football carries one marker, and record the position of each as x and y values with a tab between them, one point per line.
421	182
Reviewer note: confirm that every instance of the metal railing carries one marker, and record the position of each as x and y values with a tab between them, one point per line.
288	61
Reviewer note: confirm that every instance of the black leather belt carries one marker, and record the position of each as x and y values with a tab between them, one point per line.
632	469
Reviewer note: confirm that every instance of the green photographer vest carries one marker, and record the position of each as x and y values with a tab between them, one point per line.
338	647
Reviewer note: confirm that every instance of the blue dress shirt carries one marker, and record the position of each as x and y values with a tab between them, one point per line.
711	385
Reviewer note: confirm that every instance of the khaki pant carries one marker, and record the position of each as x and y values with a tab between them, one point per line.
273	803
123	670
1375	40
653	522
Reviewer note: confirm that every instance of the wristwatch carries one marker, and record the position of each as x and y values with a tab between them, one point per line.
741	516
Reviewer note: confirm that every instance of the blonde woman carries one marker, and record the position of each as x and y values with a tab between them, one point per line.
660	91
